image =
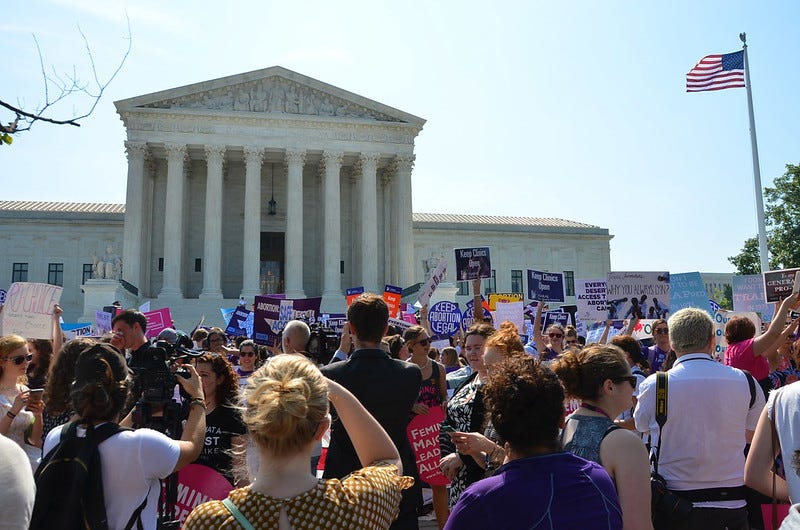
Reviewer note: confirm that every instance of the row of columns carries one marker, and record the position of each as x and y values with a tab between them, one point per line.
397	240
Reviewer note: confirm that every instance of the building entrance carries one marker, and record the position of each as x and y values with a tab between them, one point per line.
272	262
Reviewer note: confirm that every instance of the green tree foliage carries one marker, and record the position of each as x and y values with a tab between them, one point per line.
782	215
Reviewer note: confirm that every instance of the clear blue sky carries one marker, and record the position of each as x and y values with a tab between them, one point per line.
575	110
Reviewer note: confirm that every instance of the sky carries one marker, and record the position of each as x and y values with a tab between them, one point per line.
575	110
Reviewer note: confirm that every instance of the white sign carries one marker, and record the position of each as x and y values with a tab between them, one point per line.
590	297
28	310
433	282
512	311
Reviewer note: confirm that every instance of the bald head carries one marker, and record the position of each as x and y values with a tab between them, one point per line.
295	336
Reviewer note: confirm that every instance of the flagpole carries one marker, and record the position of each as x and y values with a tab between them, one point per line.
763	251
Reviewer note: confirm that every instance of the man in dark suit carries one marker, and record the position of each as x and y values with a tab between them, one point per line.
387	388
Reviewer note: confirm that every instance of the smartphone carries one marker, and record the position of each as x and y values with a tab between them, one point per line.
35	394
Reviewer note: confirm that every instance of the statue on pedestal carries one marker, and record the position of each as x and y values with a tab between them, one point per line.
107	268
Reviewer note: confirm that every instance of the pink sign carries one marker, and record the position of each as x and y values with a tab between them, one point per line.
198	484
423	434
156	321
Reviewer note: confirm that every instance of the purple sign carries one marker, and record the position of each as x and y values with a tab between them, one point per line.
444	318
545	286
2	296
237	324
334	321
272	314
555	317
468	317
473	263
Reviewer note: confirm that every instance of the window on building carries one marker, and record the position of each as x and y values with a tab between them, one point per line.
160	264
87	272
490	284
569	283
516	281
19	272
198	265
463	289
55	274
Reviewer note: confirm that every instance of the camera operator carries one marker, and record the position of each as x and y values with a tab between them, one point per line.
132	462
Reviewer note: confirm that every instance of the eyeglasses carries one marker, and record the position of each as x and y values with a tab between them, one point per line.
424	342
661	331
247	354
629	378
19	359
555	335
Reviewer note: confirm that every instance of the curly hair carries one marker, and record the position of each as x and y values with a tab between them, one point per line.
286	400
45	349
228	388
506	339
62	374
9	344
526	403
583	372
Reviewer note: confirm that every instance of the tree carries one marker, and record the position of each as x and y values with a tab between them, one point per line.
58	88
724	297
782	216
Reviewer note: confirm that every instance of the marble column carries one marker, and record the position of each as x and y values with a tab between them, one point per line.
212	241
173	222
295	158
404	246
332	299
132	256
251	264
369	221
388	229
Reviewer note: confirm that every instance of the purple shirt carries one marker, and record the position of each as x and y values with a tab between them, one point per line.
557	490
656	357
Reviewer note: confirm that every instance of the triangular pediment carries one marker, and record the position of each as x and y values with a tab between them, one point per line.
274	90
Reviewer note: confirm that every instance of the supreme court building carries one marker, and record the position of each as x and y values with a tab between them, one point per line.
273	182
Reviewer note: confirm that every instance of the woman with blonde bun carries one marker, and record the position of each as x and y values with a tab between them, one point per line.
286	411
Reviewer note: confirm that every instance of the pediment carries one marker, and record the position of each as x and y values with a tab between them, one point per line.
273	90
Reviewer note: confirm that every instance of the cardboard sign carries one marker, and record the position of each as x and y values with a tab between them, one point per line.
198	484
157	321
473	263
512	312
495	298
423	435
545	286
778	284
433	282
590	297
721	319
238	323
28	310
687	290
638	294
353	293
392	295
272	314
748	295
444	318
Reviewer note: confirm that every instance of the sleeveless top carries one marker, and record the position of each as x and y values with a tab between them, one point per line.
429	394
588	435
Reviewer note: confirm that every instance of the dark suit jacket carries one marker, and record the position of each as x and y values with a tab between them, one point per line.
387	388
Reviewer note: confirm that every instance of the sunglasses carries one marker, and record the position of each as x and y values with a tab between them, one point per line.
629	378
424	342
247	354
19	359
555	335
661	331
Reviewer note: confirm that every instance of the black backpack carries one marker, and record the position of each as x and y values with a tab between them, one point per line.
69	482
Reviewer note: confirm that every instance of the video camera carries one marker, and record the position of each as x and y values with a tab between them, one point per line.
322	343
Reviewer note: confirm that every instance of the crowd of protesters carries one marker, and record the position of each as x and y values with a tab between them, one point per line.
545	433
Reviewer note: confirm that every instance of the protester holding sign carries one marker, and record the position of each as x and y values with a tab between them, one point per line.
551	345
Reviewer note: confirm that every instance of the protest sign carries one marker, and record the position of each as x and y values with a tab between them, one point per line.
102	322
778	284
353	293
145	307
28	310
3	294
595	330
440	344
473	263
430	286
401	325
643	329
545	286
444	318
272	314
334	321
687	290
721	318
226	314
423	435
511	311
748	295
76	329
555	317
494	298
392	295
468	316
157	321
638	294
198	484
237	324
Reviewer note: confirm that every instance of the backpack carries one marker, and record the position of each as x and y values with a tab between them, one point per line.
69	482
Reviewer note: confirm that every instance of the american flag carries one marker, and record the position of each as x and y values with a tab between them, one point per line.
717	72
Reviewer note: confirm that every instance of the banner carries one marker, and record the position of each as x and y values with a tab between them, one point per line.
748	295
643	329
513	312
198	484
687	290
473	263
430	286
28	310
76	329
545	286
721	319
157	321
334	321
102	322
778	284
638	294
272	314
494	298
392	296
238	323
590	297
423	435
444	318
353	293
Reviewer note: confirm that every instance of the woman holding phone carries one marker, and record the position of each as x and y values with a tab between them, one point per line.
21	411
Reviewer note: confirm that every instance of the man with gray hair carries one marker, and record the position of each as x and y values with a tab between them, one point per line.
295	337
712	411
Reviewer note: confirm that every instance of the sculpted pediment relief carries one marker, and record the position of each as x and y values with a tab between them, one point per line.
272	95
